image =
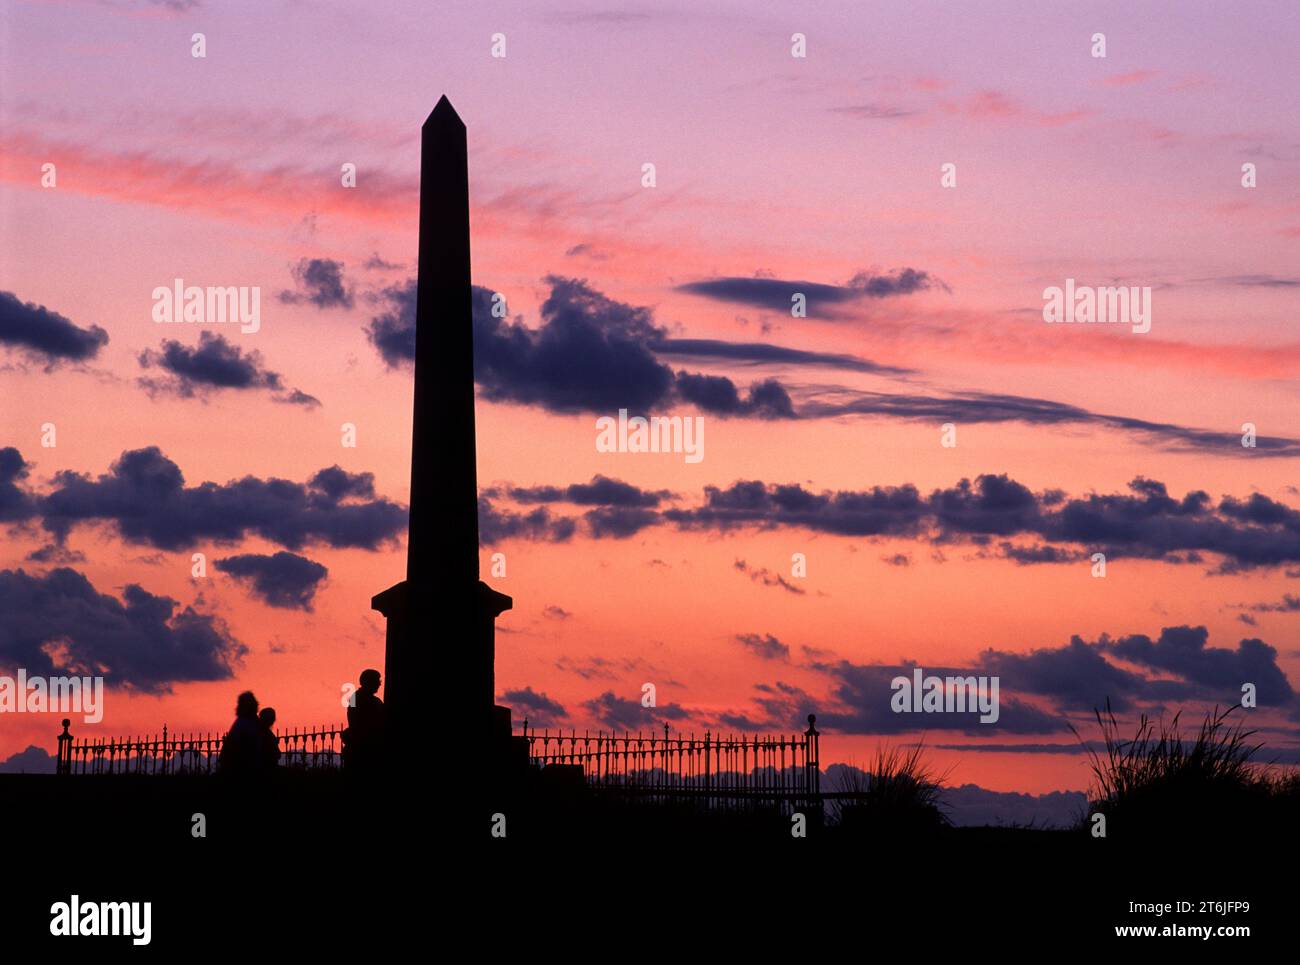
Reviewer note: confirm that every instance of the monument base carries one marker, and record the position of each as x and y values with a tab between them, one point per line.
439	670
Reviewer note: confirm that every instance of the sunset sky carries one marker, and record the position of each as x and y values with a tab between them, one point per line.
774	174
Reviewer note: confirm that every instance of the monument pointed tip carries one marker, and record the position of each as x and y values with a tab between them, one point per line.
443	113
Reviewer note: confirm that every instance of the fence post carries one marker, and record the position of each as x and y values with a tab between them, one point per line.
668	781
812	763
63	764
708	774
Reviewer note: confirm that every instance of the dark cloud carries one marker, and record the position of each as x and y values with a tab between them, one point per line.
620	713
16	503
742	723
1144	523
823	301
299	397
338	484
601	491
59	623
1260	281
145	496
1147	522
497	525
1261	510
392	332
766	577
54	553
1218	670
586	251
34	760
594	354
1288	604
320	283
972	806
377	263
1076	676
588	355
717	394
539	709
284	580
1275	755
863	695
556	612
1033	555
45	335
590	668
882	511
764	645
781	706
214	363
982	407
1177	666
618	522
992	505
767	354
1075	747
591	354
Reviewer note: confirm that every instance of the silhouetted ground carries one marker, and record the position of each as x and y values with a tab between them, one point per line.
310	861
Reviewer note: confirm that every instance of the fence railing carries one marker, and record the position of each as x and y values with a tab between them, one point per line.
716	771
308	748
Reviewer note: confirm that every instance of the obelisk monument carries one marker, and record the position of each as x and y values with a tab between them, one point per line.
439	669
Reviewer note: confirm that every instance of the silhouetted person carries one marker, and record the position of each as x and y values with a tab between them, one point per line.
241	751
364	741
270	743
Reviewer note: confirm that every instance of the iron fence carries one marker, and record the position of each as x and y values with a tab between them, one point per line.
302	748
715	771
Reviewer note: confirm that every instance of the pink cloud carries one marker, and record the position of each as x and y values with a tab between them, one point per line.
997	105
1140	76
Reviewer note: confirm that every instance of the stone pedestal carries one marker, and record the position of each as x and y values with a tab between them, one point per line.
439	666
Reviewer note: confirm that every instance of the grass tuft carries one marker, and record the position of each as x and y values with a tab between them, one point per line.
897	791
1163	783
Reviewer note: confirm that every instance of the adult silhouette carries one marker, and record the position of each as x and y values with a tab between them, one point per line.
241	751
269	743
364	741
